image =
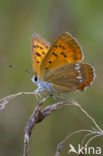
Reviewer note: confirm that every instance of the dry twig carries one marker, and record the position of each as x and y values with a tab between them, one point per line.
39	114
4	101
98	131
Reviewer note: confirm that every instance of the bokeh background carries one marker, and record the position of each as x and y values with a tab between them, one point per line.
18	21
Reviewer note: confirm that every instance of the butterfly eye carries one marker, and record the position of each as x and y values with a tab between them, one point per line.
35	78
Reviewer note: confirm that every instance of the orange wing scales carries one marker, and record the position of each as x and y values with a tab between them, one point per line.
88	75
64	50
40	47
61	64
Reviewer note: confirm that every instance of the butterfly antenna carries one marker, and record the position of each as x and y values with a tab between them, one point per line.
25	70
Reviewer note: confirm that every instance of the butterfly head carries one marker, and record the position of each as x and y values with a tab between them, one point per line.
35	79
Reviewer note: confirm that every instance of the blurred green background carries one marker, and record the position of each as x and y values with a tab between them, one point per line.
18	21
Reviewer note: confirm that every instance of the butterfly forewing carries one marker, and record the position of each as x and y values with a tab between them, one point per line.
40	47
71	77
64	50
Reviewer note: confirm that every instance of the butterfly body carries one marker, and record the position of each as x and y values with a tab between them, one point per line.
42	85
59	67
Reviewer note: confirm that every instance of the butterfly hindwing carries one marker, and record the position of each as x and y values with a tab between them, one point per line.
40	47
70	77
64	50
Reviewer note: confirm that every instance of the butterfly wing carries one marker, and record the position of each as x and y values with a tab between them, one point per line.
40	47
71	77
64	50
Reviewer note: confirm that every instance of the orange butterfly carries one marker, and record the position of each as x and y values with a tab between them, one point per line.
59	67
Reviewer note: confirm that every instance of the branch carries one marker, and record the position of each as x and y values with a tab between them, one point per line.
37	116
69	100
98	131
4	101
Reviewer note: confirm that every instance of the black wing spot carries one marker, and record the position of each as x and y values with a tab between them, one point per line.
62	53
38	54
43	52
41	47
46	68
60	46
50	62
38	62
65	55
34	46
55	54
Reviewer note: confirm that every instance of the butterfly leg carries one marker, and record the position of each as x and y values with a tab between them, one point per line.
37	92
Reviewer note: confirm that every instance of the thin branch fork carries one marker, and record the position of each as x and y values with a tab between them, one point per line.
37	116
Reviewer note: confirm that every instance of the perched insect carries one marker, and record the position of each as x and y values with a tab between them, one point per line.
59	67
